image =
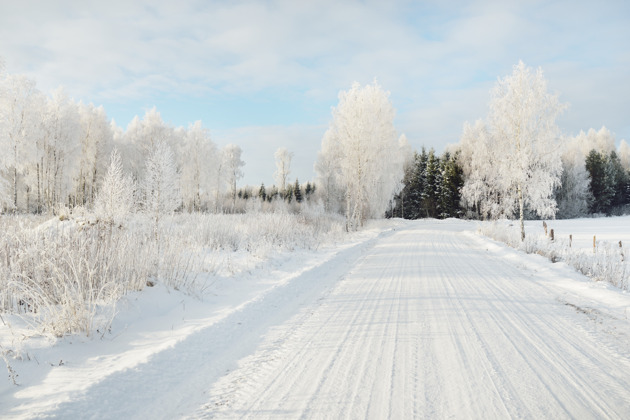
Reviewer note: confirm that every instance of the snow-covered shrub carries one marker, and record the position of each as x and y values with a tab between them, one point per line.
60	273
65	276
115	200
606	263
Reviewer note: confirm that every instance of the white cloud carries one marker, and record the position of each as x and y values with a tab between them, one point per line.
438	59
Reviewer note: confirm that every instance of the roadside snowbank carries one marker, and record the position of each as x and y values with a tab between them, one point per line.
603	258
51	370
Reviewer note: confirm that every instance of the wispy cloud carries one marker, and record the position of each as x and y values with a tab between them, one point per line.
438	59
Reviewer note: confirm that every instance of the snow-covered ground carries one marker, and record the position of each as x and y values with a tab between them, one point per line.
610	229
420	319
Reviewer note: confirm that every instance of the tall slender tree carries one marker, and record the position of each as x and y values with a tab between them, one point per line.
283	167
523	146
361	148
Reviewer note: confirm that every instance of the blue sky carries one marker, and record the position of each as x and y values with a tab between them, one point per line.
265	74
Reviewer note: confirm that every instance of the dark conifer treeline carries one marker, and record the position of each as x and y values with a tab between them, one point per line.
431	188
610	183
432	185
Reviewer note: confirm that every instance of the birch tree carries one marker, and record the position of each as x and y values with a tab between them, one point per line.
95	135
197	159
362	142
283	168
60	148
573	195
232	165
143	135
328	173
524	146
18	129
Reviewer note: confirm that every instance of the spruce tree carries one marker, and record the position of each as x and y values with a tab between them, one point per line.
450	187
601	185
308	190
414	196
430	190
297	192
262	194
619	181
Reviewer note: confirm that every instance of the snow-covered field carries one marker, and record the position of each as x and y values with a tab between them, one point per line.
595	247
422	319
609	229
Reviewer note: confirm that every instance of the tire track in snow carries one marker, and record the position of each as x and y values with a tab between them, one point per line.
429	324
421	323
172	380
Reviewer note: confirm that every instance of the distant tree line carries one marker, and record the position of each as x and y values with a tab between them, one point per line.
432	185
431	188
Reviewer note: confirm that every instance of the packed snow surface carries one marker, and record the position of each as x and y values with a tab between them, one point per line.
423	320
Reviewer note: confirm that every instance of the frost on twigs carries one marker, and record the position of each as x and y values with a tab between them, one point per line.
360	165
604	262
115	199
512	161
66	277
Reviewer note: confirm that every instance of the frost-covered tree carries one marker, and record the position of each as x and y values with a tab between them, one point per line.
5	195
624	154
601	140
161	184
18	128
573	196
523	144
232	165
283	167
481	170
197	159
95	137
115	200
60	149
360	151
328	169
142	137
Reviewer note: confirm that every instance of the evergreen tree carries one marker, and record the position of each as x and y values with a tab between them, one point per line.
419	184
288	193
297	191
450	187
431	185
308	190
601	182
262	194
619	181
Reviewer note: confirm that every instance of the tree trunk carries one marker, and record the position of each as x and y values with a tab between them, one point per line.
39	191
520	206
15	193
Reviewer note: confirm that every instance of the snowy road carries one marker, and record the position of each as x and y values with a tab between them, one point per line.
429	325
427	321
